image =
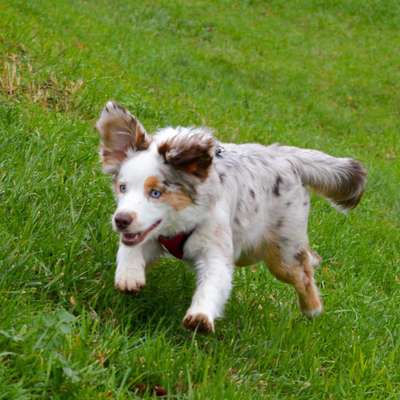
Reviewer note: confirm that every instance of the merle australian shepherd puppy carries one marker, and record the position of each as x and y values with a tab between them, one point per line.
217	205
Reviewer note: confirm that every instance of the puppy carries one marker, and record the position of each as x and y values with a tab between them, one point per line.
217	205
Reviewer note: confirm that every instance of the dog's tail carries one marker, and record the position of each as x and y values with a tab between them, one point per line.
340	180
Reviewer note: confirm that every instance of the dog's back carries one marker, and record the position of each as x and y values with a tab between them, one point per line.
267	187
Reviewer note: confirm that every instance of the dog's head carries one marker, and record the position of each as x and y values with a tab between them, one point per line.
156	178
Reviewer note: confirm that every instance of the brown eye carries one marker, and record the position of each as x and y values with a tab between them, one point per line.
122	187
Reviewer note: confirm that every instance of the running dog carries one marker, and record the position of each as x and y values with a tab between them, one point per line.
217	205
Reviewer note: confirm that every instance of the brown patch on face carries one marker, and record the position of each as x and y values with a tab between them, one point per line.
176	199
191	154
152	182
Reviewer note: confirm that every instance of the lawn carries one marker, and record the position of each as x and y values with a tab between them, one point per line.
318	74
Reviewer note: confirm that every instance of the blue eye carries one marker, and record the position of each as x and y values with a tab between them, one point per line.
122	188
155	194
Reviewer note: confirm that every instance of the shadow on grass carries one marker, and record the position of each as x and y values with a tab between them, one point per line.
160	305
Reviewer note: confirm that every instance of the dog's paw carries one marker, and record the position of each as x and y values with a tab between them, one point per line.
129	281
199	322
315	258
312	312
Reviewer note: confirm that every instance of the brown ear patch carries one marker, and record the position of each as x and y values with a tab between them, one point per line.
177	199
119	132
190	152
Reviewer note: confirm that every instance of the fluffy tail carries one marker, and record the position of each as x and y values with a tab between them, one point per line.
341	180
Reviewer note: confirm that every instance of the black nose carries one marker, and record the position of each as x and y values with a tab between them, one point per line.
123	220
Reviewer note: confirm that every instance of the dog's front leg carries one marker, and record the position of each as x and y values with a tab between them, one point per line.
130	273
214	282
131	265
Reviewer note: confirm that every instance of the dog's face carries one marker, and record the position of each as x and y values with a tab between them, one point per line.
156	178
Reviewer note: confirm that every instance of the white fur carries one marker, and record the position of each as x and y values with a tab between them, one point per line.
133	174
252	194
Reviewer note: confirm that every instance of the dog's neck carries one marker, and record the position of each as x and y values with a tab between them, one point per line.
175	244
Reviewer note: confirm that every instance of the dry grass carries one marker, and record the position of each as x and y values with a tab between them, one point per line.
20	79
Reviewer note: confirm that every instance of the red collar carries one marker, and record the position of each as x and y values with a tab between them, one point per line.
175	243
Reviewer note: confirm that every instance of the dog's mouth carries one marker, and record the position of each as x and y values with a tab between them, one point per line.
132	239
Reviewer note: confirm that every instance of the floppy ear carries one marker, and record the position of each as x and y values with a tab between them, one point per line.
119	132
190	151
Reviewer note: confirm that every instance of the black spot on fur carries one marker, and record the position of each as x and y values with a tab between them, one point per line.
237	221
279	224
305	204
222	177
284	240
276	187
256	209
252	193
219	151
288	204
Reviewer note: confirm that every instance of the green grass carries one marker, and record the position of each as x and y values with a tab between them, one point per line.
319	74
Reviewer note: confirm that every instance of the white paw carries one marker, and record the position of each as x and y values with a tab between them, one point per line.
314	312
130	280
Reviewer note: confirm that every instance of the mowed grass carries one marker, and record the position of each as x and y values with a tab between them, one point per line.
318	74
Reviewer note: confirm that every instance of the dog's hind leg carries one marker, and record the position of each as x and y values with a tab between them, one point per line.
287	252
297	270
315	258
